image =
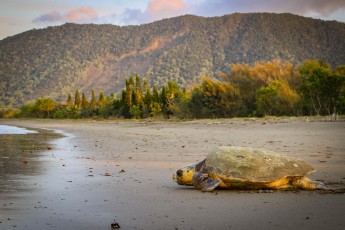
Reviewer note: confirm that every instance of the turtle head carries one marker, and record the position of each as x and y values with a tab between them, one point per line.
184	176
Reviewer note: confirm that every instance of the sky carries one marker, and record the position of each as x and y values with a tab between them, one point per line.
17	16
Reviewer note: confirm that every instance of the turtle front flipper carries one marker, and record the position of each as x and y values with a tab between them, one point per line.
203	181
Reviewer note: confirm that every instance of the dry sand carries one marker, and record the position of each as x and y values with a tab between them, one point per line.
104	170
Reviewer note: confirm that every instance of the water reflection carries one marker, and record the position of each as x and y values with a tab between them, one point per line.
21	157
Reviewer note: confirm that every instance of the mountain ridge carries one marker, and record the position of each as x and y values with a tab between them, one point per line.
58	60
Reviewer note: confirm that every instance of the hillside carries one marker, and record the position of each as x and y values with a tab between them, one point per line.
58	60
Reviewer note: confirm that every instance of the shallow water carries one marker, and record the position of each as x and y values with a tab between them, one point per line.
22	156
6	129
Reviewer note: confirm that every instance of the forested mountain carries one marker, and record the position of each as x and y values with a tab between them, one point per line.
55	61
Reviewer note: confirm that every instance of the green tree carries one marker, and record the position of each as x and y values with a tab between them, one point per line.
93	102
69	100
84	102
196	105
101	99
44	107
77	101
215	99
138	91
339	74
128	98
276	99
129	90
136	112
165	103
155	95
125	105
318	86
169	96
267	100
28	110
147	103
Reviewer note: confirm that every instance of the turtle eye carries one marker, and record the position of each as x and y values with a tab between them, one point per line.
179	172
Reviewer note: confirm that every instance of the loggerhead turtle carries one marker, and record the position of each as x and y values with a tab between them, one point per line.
231	167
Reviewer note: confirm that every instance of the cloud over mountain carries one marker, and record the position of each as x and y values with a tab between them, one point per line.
156	9
79	15
305	7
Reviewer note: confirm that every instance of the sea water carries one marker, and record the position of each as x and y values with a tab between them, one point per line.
23	156
6	129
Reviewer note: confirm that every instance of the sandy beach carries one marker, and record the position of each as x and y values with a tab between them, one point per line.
106	170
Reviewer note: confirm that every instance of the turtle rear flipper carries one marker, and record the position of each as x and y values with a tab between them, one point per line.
204	182
308	184
297	182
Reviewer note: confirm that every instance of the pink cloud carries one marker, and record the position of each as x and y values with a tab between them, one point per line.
156	10
162	5
81	14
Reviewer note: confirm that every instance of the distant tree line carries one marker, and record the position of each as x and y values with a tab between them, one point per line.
274	88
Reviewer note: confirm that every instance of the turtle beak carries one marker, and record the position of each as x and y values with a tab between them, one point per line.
178	173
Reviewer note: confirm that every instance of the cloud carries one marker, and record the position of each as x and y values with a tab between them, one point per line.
322	8
162	6
306	7
132	16
53	16
80	15
156	10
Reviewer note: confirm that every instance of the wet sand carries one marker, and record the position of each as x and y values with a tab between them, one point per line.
106	169
22	157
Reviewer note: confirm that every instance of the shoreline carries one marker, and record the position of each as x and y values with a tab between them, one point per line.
109	169
23	154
